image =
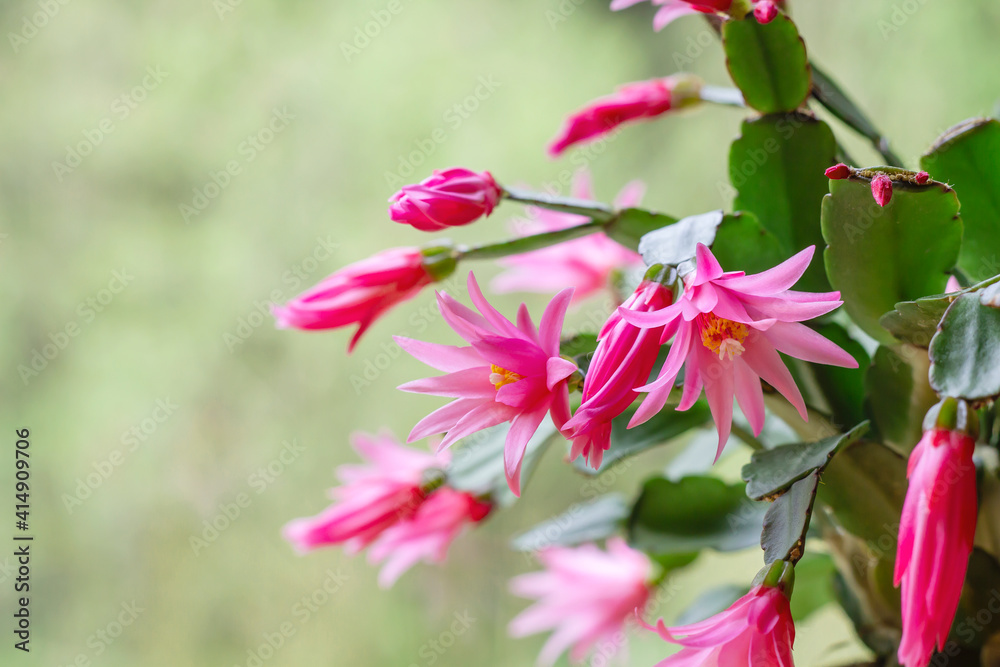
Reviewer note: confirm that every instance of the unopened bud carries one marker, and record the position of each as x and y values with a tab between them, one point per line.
838	172
765	11
922	177
882	189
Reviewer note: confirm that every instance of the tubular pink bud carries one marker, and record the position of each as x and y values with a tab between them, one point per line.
765	11
838	172
882	189
922	177
448	198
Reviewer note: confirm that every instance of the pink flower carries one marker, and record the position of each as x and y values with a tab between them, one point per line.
633	101
935	539
730	328
589	263
448	198
585	595
374	497
623	360
358	294
952	285
882	189
756	631
507	373
427	534
672	9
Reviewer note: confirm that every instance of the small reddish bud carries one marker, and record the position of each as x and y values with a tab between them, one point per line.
922	177
838	172
765	11
882	189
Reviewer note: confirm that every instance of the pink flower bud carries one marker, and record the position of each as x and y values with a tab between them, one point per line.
448	198
357	294
765	11
632	102
882	189
838	172
922	177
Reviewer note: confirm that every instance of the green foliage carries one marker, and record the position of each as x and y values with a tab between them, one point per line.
741	241
768	63
878	256
773	471
787	521
585	522
814	575
634	223
694	513
898	394
843	388
968	158
965	353
777	167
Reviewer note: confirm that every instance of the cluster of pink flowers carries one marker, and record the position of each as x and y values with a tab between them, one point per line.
391	507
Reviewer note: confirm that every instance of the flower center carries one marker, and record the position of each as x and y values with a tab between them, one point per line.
723	336
501	376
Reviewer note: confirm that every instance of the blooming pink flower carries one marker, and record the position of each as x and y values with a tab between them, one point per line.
729	330
448	198
584	595
357	294
623	360
589	263
633	101
764	10
756	631
936	533
374	497
427	534
507	373
882	189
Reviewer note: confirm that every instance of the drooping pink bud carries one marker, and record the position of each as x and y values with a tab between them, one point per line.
922	177
838	172
632	102
765	11
882	189
358	294
448	198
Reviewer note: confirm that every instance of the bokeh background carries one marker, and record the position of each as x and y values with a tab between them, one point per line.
168	389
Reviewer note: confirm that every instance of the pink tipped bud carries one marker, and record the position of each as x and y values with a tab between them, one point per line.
765	11
882	189
838	172
448	198
922	177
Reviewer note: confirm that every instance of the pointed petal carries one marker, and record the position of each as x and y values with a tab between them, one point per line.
550	327
468	383
708	267
774	280
448	358
749	394
521	429
801	342
761	356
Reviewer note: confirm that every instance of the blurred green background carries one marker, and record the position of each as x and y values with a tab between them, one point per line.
117	115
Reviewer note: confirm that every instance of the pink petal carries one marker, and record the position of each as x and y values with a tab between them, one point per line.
749	394
801	342
550	327
468	383
669	12
761	356
447	358
521	429
708	267
774	280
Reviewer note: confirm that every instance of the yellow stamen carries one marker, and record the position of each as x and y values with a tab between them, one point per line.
501	376
723	336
